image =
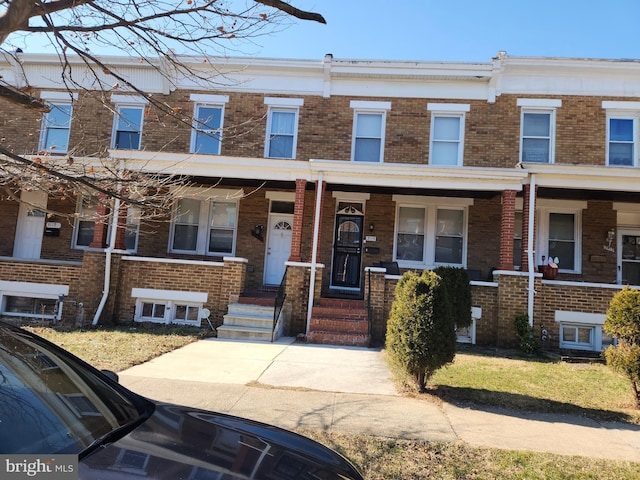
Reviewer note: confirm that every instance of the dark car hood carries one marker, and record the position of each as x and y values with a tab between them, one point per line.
183	443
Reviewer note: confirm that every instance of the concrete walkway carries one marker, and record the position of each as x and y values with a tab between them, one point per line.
350	390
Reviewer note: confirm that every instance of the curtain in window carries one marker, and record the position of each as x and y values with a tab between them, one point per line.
368	137
536	137
221	231
282	134
446	140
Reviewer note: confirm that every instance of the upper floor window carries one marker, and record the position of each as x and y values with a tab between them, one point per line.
430	232
206	136
282	127
127	121
622	132
537	130
205	227
447	133
621	140
56	124
369	123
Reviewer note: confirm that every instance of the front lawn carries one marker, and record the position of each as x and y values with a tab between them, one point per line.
541	384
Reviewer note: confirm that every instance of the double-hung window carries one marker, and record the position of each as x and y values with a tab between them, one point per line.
447	133
205	226
559	233
537	130
430	231
127	121
282	127
56	124
85	224
369	123
206	136
622	133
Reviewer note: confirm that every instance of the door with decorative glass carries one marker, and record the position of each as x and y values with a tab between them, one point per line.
278	247
347	247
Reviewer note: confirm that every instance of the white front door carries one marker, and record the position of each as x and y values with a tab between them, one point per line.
278	247
30	226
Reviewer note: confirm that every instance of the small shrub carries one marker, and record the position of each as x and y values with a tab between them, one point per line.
527	342
421	334
623	322
456	281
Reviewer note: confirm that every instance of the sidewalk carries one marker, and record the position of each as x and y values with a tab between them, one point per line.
349	389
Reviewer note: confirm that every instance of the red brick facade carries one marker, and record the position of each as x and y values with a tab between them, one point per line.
490	187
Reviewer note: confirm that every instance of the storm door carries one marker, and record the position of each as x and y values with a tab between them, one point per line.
629	257
347	247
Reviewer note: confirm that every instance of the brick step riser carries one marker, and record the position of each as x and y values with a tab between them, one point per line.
339	312
341	303
331	338
332	325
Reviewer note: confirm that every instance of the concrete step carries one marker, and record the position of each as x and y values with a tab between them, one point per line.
236	332
250	310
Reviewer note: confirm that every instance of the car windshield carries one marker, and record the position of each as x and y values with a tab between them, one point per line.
50	402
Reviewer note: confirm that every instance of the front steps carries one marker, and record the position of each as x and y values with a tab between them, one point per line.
250	321
339	322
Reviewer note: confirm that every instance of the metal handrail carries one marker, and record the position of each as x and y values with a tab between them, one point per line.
369	327
279	302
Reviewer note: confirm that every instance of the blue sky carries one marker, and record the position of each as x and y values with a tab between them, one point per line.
448	30
461	30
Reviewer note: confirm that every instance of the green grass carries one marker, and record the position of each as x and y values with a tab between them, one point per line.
510	380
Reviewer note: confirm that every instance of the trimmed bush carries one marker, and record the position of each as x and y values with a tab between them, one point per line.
623	322
421	335
456	281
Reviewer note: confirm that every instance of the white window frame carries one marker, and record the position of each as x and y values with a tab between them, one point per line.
282	105
207	200
171	300
622	110
35	291
539	106
575	320
431	205
547	207
450	110
207	101
127	101
79	218
54	99
368	108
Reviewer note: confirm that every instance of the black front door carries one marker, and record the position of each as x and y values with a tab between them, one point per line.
347	252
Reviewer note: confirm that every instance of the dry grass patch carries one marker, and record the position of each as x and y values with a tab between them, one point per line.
119	348
394	459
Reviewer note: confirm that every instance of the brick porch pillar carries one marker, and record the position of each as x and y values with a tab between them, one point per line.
319	232
122	227
507	226
525	227
298	220
101	224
